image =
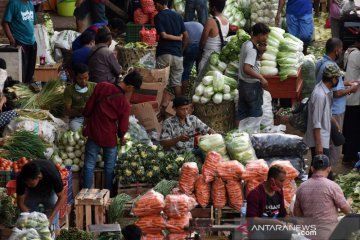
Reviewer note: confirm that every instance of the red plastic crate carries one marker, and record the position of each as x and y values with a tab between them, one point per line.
11	187
63	207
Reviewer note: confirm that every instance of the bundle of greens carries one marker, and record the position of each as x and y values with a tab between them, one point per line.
350	184
165	186
117	207
8	212
74	233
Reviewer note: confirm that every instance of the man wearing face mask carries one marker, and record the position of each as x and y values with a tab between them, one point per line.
333	53
76	96
265	206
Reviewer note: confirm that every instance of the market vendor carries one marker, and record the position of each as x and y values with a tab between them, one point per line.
40	183
76	96
178	131
265	205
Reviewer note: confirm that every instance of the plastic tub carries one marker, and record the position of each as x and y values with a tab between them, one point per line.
66	8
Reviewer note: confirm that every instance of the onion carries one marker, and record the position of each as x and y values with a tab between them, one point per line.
81	142
77	147
63	155
76	160
81	164
71	155
78	153
69	149
82	157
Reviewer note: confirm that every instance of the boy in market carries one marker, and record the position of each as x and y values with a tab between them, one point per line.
173	40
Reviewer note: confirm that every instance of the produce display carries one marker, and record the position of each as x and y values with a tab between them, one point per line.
5	165
237	12
231	51
211	164
202	191
165	186
32	221
18	164
296	161
235	193
308	75
218	193
321	33
117	207
146	13
75	233
188	175
255	173
268	60
230	170
264	11
151	203
179	6
239	147
8	212
213	142
350	185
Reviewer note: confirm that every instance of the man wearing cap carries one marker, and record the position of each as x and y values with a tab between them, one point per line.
103	65
106	116
178	131
319	198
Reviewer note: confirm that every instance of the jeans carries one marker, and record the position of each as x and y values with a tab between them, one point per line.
28	57
190	56
201	9
33	199
109	157
250	100
301	27
76	123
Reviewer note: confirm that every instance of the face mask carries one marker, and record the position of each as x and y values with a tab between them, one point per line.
335	85
80	89
274	186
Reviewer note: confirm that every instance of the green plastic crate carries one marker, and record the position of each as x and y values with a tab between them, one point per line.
5	177
133	31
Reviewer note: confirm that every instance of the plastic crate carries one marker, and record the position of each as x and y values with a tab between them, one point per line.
133	31
5	177
70	198
11	187
63	207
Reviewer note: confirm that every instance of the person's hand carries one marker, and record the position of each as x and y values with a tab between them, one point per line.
264	83
183	138
277	19
78	3
353	88
123	141
180	37
13	42
319	149
50	219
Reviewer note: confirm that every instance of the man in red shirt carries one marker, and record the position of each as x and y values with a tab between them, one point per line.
107	117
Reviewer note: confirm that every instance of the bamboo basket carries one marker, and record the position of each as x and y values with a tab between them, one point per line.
129	56
219	117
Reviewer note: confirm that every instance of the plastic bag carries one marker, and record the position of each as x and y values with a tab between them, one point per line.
64	39
235	193
151	224
255	173
230	170
218	193
32	220
152	17
250	125
239	146
213	142
43	43
289	190
268	117
148	35
188	175
148	61
177	225
274	129
147	6
177	206
138	132
276	144
291	172
210	166
308	75
140	17
178	236
149	204
202	191
297	162
30	233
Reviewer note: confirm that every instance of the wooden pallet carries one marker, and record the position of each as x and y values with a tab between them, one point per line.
93	203
135	189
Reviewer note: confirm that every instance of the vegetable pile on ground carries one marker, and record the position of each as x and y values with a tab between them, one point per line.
320	32
237	12
264	11
350	184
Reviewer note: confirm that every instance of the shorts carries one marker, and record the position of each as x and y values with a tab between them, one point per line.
176	68
190	56
301	27
97	11
250	100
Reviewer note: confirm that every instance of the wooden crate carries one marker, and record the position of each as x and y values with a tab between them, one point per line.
5	232
47	72
134	190
91	204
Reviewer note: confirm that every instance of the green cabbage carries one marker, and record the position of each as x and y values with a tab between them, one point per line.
208	92
271	71
217	98
199	90
207	80
268	63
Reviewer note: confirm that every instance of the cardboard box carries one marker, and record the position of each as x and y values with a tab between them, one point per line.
146	115
155	75
47	72
149	92
167	98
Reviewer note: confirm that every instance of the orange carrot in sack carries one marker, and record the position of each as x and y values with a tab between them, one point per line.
210	166
235	193
289	190
152	224
218	193
188	175
178	236
177	206
230	170
202	191
151	203
291	172
177	225
158	236
255	174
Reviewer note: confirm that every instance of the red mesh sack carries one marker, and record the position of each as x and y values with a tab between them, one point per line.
178	236
153	224
177	225
148	6
158	236
255	173
178	205
151	203
188	175
152	17
202	191
140	17
235	193
148	36
218	193
210	166
230	170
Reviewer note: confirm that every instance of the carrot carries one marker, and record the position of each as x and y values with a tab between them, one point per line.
230	170
235	193
178	205
289	190
177	225
152	224
158	236
210	166
218	193
188	174
178	236
149	204
255	174
291	172
202	191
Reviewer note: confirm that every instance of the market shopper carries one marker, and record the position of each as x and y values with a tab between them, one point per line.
318	199
178	132
106	118
200	6
95	7
40	183
173	40
18	24
81	56
299	19
210	39
191	52
335	16
251	82
76	96
333	51
265	205
103	65
351	129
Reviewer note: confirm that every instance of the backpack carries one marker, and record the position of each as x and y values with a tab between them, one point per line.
299	117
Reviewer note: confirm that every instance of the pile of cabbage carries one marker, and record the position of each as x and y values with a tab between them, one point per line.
320	32
216	87
268	61
239	147
264	11
213	142
237	12
232	49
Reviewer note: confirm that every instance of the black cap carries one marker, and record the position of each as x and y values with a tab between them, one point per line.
180	101
321	161
2	63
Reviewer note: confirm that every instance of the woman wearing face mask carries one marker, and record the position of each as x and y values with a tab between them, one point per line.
265	206
76	96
